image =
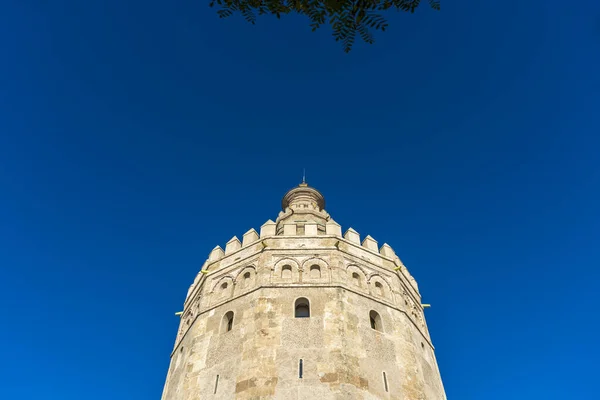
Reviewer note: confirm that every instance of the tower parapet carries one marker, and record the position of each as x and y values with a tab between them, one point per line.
302	311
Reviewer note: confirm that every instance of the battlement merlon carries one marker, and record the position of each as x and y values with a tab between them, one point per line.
233	245
249	237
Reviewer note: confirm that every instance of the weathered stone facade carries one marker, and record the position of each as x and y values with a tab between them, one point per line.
301	312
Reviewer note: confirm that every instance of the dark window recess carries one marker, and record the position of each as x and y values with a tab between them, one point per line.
300	369
375	320
227	322
302	308
216	384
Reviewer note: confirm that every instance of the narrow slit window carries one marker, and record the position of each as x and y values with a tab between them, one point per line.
385	385
302	308
216	384
300	368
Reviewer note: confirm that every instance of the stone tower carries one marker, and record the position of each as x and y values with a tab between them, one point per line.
301	311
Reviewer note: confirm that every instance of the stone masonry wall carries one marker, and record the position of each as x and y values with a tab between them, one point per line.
343	356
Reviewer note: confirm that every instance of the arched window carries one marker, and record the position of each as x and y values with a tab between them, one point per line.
286	272
379	288
356	279
375	321
302	308
227	324
246	280
224	286
315	271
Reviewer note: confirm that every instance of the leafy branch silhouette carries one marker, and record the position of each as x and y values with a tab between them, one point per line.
346	17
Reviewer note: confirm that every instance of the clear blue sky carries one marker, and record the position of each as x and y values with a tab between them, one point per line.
135	136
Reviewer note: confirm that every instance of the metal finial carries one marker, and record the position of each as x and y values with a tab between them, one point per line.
303	175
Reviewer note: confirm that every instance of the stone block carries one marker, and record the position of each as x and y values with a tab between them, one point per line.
387	251
216	254
333	228
249	237
310	230
289	229
370	243
233	245
267	229
352	236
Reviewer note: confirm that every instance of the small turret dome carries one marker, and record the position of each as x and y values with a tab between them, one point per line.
303	196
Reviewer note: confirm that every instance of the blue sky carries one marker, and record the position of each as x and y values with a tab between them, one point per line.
135	136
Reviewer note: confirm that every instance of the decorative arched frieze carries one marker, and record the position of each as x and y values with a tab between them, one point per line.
245	279
222	289
379	286
286	270
315	270
356	277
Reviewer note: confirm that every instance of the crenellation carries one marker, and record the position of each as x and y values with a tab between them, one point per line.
370	244
216	254
249	237
333	228
310	229
267	229
289	229
352	236
387	251
233	245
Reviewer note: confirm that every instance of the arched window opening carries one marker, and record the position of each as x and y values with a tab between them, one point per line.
315	272
379	288
224	286
227	322
375	321
356	279
302	308
286	272
246	280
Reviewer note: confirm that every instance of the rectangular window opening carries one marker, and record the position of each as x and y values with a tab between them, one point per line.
216	384
300	369
385	382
